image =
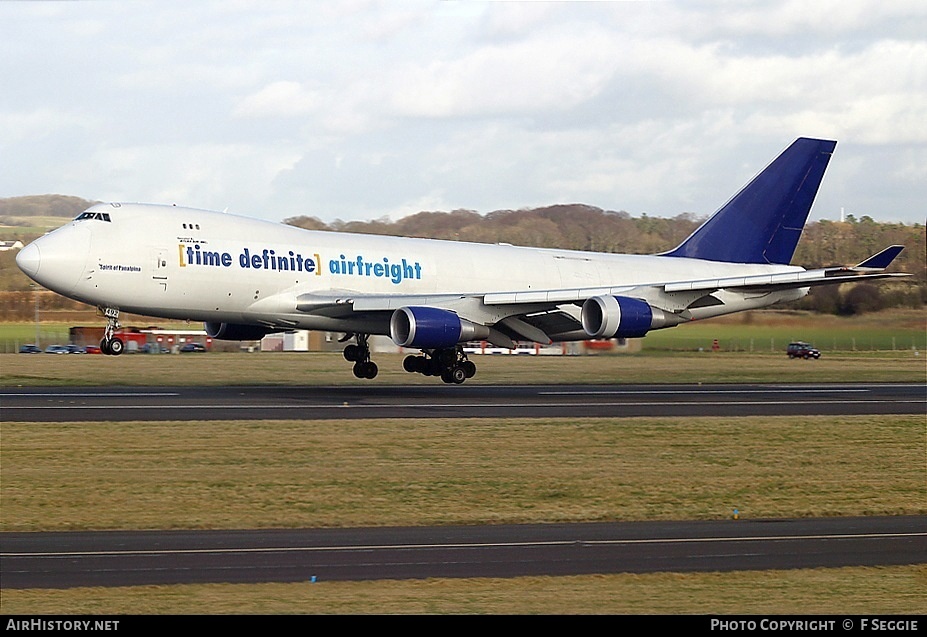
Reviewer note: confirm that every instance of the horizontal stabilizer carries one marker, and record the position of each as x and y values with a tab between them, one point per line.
881	260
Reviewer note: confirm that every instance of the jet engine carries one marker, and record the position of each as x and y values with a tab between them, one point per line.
432	328
236	332
622	316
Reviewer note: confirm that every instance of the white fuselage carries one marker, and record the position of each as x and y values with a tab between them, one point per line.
182	263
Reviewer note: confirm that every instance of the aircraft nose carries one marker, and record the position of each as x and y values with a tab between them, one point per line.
29	259
56	260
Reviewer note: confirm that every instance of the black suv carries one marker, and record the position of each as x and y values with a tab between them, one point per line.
800	349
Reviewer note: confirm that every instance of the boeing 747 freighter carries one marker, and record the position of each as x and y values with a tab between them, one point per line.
245	278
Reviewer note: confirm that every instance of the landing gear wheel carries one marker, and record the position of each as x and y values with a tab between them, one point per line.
116	346
457	375
359	354
412	364
432	367
112	346
449	363
367	370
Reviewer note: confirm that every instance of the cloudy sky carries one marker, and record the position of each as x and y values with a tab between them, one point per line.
363	109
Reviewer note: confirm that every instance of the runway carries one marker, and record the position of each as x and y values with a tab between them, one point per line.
121	558
87	404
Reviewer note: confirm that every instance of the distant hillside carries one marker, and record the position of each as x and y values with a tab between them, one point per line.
570	226
43	206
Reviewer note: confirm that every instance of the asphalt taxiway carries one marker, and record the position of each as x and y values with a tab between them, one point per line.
47	404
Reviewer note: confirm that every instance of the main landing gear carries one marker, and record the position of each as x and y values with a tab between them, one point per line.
449	363
359	354
111	345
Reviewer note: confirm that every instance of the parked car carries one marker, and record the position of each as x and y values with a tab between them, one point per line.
30	349
93	349
800	349
56	349
75	349
192	347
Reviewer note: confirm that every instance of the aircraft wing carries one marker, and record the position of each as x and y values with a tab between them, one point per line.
537	315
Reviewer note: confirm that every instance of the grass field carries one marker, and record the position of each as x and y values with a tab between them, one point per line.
897	590
312	368
304	473
28	228
771	331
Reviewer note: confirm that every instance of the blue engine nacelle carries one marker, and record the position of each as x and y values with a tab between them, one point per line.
621	316
432	328
236	332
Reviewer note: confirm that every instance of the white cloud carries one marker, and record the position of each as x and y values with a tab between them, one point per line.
185	174
369	108
553	71
280	99
40	124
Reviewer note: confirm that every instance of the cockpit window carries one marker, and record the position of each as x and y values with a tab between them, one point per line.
100	216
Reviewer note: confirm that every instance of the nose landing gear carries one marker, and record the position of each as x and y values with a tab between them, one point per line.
111	345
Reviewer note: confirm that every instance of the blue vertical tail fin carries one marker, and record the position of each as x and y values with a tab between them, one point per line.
763	222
